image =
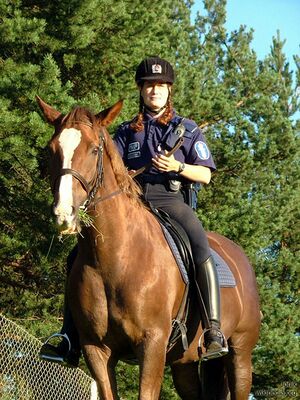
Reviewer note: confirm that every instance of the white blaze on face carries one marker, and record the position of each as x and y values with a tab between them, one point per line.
69	139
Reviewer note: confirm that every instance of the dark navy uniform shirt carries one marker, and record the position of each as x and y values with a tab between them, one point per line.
138	148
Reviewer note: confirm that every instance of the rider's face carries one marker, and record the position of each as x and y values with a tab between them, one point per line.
155	94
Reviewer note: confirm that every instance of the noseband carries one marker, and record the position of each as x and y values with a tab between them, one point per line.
91	187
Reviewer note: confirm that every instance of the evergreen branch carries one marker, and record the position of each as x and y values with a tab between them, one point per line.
232	56
217	118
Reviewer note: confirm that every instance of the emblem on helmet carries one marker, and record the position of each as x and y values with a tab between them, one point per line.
156	69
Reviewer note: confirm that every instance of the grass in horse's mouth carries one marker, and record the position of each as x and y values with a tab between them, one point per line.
84	218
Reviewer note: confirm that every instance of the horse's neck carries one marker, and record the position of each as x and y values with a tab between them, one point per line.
115	215
106	243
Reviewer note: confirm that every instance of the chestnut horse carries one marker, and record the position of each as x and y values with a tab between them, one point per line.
125	288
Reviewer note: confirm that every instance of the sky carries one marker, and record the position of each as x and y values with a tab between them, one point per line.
265	17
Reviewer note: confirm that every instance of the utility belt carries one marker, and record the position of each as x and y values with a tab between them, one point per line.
173	183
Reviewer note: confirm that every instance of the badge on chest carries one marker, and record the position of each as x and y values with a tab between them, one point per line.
134	150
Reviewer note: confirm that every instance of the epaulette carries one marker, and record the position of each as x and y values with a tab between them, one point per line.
125	123
189	125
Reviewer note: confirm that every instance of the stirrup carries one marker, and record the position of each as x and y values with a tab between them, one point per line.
210	355
56	358
63	335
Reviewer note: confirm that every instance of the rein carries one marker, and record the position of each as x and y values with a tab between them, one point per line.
145	167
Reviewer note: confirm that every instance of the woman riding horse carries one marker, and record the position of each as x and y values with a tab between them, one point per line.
124	271
148	138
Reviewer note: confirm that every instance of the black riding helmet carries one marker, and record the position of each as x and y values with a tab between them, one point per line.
154	69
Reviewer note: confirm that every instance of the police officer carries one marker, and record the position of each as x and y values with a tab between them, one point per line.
147	139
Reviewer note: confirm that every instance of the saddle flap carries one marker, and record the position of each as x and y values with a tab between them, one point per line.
178	242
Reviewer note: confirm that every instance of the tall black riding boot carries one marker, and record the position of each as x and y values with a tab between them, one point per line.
67	351
208	283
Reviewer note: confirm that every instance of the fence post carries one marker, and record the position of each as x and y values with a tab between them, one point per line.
94	391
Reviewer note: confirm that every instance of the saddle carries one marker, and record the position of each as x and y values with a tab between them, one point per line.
178	235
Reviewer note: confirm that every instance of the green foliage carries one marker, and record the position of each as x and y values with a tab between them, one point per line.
85	52
128	378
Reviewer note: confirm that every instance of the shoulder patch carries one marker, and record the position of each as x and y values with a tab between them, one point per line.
202	150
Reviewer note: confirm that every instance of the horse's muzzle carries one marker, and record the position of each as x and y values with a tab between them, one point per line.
66	220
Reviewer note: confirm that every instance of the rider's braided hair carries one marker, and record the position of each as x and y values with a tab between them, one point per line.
164	119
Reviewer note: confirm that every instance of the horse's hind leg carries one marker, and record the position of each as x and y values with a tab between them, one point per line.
102	368
214	380
239	371
186	380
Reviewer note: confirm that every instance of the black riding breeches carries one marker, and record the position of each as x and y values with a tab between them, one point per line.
173	204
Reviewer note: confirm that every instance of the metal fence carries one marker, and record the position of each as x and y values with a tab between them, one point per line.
24	377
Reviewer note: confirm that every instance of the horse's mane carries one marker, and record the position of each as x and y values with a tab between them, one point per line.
79	114
126	183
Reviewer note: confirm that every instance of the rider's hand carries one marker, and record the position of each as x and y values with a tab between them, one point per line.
165	164
131	171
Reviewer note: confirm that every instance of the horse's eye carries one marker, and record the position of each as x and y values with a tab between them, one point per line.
95	151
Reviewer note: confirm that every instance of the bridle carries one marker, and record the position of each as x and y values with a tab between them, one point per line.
91	187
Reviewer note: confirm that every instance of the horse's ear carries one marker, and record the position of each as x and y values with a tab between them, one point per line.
107	116
49	112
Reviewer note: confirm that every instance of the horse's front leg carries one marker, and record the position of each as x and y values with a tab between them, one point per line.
102	367
151	353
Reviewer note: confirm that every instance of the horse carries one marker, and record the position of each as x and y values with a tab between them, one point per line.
124	288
